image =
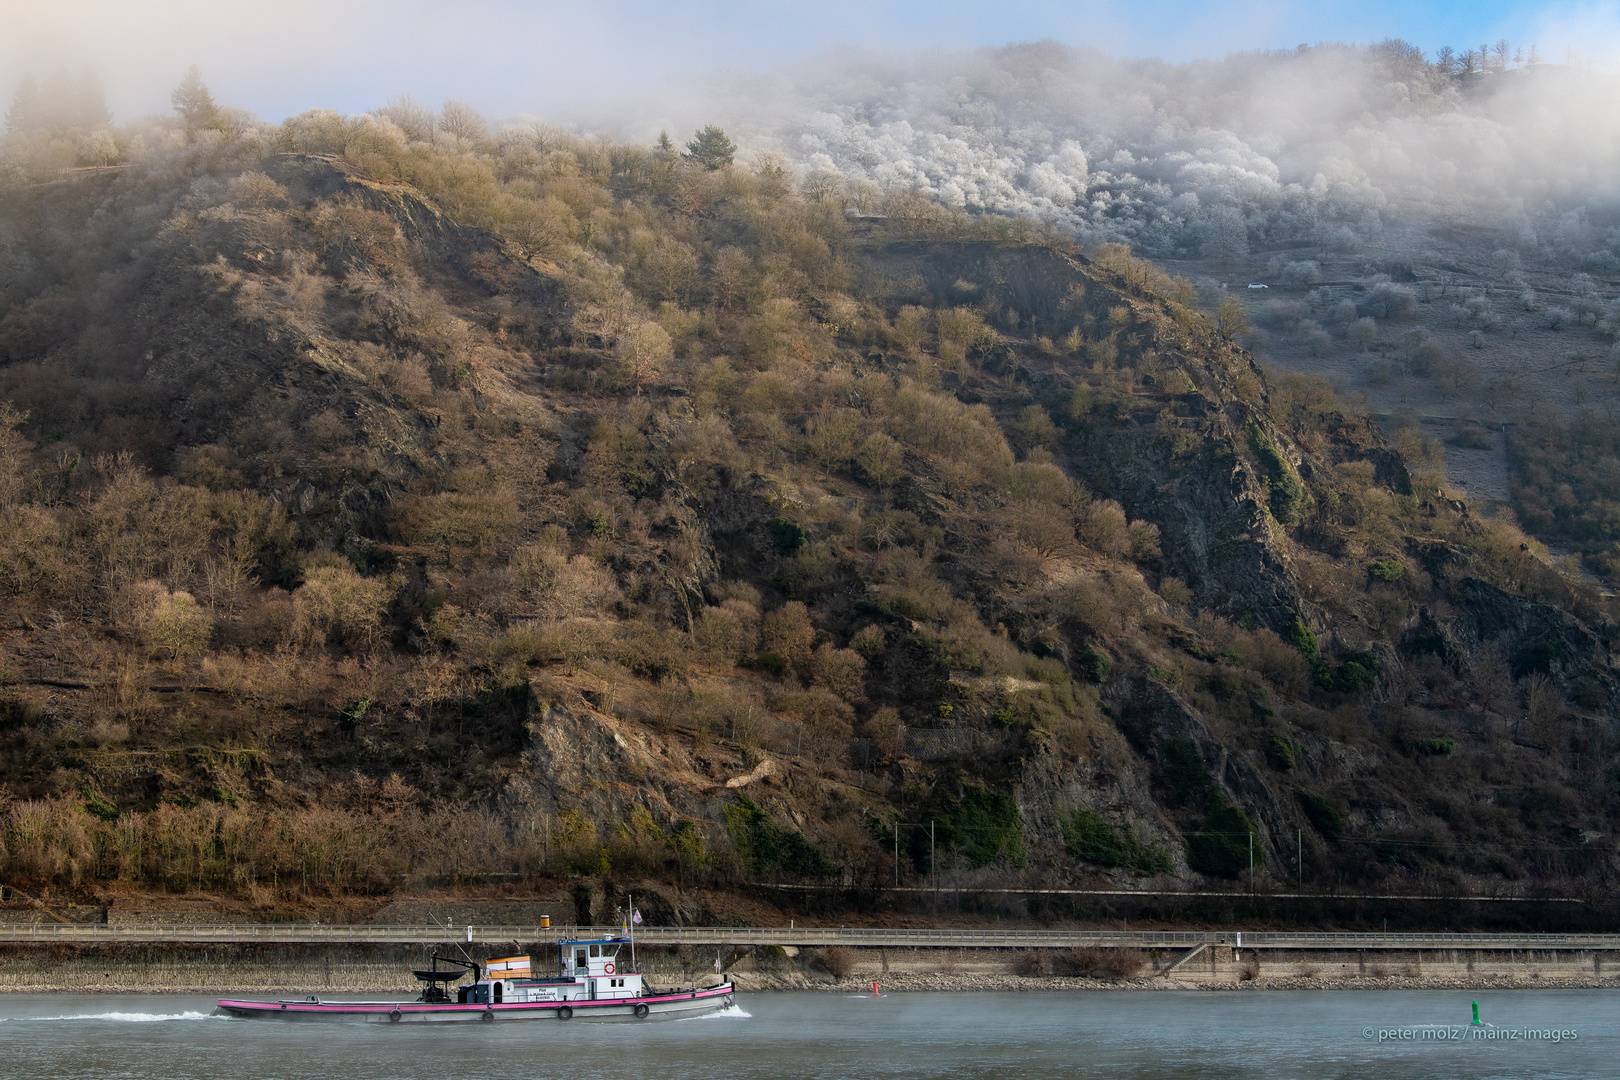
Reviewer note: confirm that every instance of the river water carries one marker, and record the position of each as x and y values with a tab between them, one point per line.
827	1037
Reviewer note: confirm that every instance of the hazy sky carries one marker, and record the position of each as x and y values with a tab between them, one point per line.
553	59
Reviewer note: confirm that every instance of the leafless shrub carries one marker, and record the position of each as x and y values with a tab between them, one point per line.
1032	964
1093	963
1126	963
838	960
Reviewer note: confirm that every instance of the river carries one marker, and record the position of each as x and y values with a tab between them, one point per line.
1273	1034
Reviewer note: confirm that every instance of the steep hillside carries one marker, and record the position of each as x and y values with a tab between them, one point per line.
379	512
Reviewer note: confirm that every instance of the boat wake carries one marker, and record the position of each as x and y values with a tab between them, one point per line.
730	1012
126	1017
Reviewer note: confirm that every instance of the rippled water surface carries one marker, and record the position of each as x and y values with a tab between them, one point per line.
1169	1034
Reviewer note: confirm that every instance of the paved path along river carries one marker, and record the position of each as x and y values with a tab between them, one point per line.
991	938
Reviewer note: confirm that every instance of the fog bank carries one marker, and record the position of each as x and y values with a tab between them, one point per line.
1331	144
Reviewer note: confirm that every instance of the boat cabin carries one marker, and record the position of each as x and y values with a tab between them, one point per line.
586	971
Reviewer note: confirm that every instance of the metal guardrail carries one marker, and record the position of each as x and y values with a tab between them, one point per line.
316	933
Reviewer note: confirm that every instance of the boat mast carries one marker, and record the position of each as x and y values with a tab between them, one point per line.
477	968
631	921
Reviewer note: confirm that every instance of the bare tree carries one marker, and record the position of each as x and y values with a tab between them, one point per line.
822	185
178	626
411	117
463	123
1362	333
1231	318
643	353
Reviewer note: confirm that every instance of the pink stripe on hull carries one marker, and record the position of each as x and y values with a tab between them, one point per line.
383	1009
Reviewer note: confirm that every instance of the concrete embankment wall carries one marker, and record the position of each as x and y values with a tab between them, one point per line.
1223	964
1215	967
302	969
385	969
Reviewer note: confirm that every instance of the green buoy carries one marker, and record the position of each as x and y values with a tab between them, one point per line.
1476	1014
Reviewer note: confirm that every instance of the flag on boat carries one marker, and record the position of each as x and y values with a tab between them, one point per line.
635	917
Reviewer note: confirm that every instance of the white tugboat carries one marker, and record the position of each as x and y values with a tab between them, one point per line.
592	983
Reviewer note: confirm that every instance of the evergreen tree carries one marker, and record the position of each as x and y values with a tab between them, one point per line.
195	104
90	104
57	101
23	116
711	148
59	106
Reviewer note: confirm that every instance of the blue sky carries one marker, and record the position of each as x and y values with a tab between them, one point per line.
554	58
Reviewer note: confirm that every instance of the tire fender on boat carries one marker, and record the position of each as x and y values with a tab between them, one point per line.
642	1011
393	1017
565	1012
489	1014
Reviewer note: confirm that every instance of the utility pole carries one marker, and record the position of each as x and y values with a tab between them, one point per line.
1251	863
933	869
897	853
1299	855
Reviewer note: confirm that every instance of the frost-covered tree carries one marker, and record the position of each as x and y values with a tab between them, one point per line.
414	120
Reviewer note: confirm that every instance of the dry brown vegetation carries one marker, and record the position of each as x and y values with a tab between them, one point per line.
381	507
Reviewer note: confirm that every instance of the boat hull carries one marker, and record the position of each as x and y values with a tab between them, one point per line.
665	1006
